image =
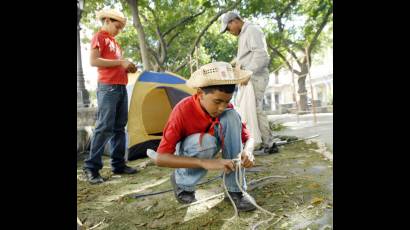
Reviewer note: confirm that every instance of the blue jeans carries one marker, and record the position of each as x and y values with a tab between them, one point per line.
112	117
187	178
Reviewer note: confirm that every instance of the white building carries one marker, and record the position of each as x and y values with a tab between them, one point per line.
281	91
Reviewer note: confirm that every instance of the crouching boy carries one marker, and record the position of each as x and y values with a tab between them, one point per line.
201	125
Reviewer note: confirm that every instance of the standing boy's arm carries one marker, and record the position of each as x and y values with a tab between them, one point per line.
173	161
96	60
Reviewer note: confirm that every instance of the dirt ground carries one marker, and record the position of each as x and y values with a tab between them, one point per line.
301	197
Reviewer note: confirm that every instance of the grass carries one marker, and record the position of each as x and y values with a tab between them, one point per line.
302	199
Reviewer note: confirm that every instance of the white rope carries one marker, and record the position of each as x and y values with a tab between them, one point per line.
239	182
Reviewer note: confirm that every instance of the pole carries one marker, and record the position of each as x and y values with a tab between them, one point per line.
311	87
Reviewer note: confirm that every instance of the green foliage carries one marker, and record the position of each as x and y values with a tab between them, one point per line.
300	21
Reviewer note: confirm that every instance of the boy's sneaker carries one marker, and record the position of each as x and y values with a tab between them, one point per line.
182	196
243	203
93	177
125	170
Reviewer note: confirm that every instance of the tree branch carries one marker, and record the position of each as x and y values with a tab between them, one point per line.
162	47
183	21
172	38
321	26
287	7
284	59
281	14
203	32
294	55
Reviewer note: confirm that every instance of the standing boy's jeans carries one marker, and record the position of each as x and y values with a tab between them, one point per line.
187	178
112	117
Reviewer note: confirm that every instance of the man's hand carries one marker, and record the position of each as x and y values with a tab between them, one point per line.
218	164
245	82
247	159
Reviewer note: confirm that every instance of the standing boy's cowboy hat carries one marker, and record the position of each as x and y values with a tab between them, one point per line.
218	73
113	14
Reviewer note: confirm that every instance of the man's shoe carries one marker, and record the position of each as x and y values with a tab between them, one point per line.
243	203
271	150
125	170
93	177
182	196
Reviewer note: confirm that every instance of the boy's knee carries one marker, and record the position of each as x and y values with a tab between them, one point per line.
231	117
204	147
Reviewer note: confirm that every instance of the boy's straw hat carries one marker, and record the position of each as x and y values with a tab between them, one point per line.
111	13
218	73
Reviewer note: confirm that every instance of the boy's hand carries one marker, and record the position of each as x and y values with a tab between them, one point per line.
247	159
218	164
129	66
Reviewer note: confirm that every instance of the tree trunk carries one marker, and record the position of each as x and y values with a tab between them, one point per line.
303	102
141	35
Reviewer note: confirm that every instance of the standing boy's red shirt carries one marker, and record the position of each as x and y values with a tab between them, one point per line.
188	118
109	49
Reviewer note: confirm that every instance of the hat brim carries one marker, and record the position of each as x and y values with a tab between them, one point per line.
113	16
223	28
197	82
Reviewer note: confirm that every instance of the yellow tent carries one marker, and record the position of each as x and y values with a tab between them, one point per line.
153	97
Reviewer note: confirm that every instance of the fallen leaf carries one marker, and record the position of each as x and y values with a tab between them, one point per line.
314	185
284	225
148	208
159	215
299	186
316	200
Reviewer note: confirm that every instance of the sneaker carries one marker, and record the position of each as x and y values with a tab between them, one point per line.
93	177
243	203
124	170
271	150
182	196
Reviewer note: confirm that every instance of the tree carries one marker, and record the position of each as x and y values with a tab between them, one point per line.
167	32
290	41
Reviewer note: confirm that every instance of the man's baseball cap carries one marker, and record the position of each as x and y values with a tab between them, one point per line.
226	18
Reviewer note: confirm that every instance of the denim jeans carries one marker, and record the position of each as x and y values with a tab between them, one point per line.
187	178
112	117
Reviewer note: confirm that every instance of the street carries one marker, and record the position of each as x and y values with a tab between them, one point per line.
306	127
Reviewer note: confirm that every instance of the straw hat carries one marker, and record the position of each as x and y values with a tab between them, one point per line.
218	73
113	14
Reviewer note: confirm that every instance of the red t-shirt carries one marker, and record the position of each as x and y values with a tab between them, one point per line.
109	49
188	118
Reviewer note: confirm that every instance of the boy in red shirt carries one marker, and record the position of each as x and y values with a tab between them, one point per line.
112	114
199	126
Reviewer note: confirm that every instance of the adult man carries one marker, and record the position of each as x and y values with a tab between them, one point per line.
252	55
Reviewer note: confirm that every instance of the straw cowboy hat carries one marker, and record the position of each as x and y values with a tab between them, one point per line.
218	73
113	14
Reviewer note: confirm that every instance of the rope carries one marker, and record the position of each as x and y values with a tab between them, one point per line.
239	182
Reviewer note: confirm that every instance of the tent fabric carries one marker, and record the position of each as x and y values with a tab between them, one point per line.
152	98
